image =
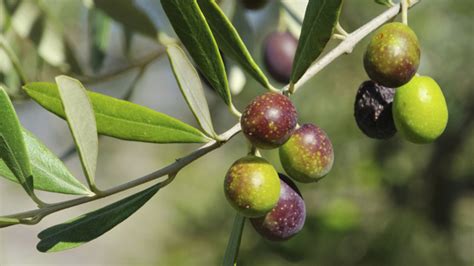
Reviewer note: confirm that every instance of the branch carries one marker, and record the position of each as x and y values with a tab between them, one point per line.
35	216
346	46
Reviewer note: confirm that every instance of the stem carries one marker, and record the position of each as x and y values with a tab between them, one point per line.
341	30
35	216
404	4
13	59
346	46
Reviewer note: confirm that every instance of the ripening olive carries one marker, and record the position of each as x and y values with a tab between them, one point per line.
287	218
393	55
252	186
308	155
420	110
269	120
279	50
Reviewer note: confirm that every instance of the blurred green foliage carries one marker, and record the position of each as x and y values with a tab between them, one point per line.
384	203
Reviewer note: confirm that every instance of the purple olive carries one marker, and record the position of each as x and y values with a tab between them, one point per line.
269	120
279	50
287	218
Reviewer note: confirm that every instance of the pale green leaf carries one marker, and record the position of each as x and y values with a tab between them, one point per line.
191	87
122	119
318	25
92	225
49	173
194	32
81	119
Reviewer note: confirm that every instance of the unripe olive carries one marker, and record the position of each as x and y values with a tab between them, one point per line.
393	55
269	120
254	4
420	110
373	110
308	155
279	50
252	186
287	218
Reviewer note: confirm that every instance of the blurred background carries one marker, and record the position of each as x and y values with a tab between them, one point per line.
384	203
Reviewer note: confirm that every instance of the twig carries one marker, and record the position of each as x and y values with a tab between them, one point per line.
35	216
346	46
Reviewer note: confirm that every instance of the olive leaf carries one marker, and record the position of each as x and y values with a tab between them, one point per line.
128	14
12	145
49	173
229	40
191	27
121	119
92	225
318	25
191	87
388	3
81	120
232	250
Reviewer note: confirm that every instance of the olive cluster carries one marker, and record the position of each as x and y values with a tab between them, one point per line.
252	185
396	98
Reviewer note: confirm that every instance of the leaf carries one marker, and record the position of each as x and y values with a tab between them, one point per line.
51	47
229	40
194	32
92	225
388	3
191	87
12	146
122	119
81	119
232	250
319	21
5	222
49	173
99	29
129	14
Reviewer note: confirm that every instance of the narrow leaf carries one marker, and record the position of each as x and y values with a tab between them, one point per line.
122	119
92	225
229	40
388	3
128	14
232	250
191	27
49	173
191	87
81	119
5	222
12	146
318	25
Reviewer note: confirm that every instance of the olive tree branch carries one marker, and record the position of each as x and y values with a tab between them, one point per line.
35	216
348	44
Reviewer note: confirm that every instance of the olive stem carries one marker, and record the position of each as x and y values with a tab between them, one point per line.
346	46
404	4
35	216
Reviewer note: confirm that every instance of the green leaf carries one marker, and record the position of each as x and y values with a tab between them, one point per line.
229	40
81	119
122	119
194	32
12	146
319	21
49	173
191	87
92	225
4	221
232	250
99	29
129	14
